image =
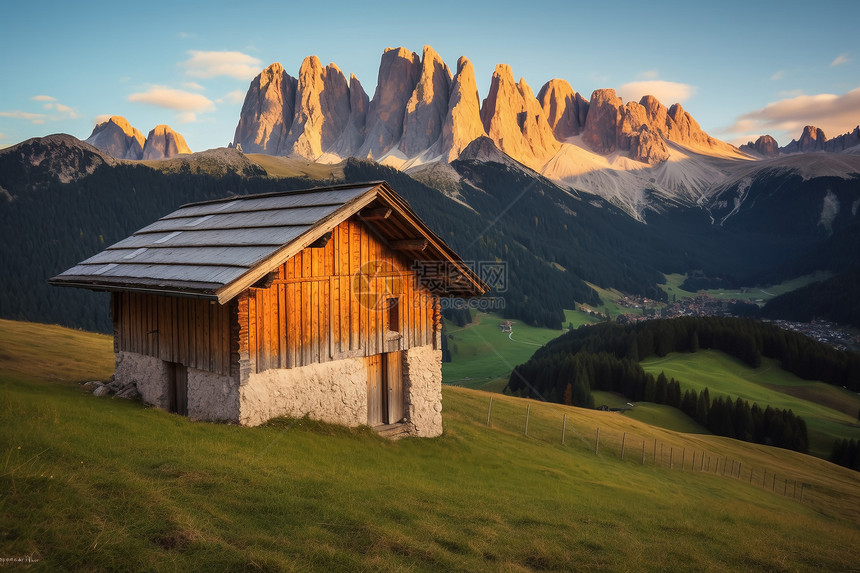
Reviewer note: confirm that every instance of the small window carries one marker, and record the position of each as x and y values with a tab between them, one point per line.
393	315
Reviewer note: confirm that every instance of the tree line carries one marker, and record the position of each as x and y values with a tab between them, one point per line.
570	378
846	453
745	339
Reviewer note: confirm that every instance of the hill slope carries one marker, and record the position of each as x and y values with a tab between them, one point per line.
93	483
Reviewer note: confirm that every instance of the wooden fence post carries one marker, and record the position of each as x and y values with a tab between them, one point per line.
702	463
671	454
643	452
623	440
528	411
683	458
597	443
563	427
655	451
739	470
489	411
773	483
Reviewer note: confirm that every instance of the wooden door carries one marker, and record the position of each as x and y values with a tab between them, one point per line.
375	395
177	388
394	387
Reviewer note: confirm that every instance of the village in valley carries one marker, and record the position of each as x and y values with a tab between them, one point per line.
641	308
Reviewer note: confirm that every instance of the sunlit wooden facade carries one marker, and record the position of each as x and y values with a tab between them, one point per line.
348	286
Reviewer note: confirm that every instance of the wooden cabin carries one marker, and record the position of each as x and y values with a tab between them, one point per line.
321	302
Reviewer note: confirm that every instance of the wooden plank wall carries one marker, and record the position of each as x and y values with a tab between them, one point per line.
325	304
193	332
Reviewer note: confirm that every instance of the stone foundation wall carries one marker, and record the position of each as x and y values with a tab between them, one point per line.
333	392
149	374
212	397
422	389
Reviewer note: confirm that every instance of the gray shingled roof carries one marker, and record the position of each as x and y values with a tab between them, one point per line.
216	249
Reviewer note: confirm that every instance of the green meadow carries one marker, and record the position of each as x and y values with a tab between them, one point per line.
482	356
830	412
672	287
92	483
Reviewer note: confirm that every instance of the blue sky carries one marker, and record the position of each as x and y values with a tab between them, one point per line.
740	68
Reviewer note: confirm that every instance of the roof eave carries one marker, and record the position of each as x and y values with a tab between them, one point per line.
206	293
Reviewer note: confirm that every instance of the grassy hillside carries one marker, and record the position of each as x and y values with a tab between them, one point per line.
291	167
104	484
674	282
482	356
829	412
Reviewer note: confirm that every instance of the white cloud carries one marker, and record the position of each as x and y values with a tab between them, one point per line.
778	75
840	59
193	86
36	118
186	117
64	109
212	64
834	114
235	96
667	92
178	100
43	98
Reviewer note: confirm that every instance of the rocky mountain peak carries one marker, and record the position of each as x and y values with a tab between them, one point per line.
322	110
427	106
765	146
267	113
399	70
514	120
59	157
812	139
463	118
118	138
565	109
601	124
162	142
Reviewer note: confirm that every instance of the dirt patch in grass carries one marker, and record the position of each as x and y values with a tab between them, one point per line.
830	396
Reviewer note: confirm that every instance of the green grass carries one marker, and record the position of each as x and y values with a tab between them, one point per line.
653	414
759	293
665	417
829	412
105	484
609	298
482	356
292	167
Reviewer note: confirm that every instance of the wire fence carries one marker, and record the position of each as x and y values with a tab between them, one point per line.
544	422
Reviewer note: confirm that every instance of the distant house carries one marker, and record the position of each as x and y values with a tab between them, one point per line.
322	302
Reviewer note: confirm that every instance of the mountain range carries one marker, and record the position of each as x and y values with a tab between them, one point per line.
118	138
641	156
